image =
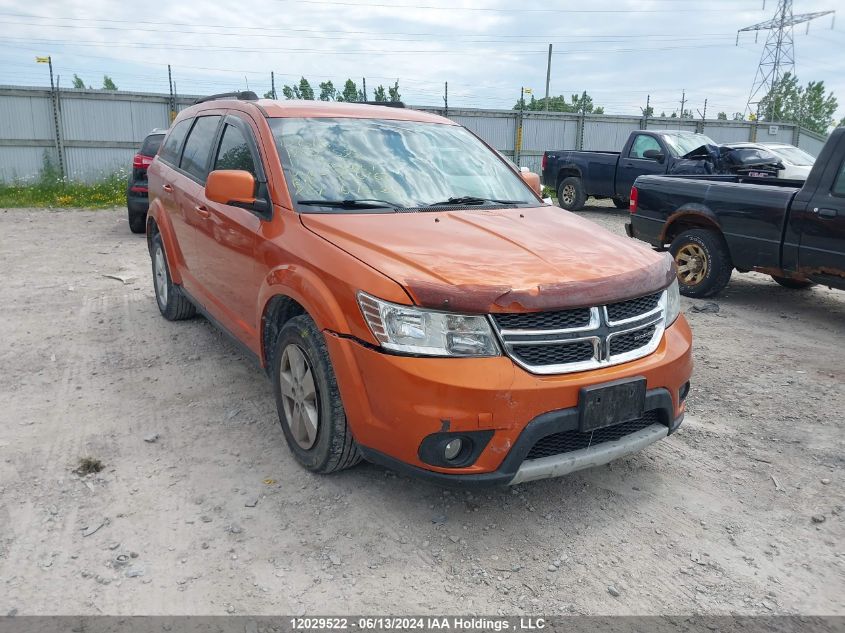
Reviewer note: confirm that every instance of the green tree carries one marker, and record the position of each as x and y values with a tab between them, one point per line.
579	103
350	92
380	94
647	112
393	92
722	116
306	90
327	91
810	106
842	122
108	84
663	115
269	95
738	116
77	82
291	92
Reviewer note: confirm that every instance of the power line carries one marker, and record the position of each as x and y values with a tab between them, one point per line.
364	5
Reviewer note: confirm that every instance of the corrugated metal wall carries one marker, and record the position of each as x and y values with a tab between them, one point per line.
100	131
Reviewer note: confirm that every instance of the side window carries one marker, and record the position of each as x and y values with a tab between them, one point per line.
173	146
642	144
234	152
839	183
198	146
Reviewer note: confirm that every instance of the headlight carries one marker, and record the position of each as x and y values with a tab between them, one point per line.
415	331
671	303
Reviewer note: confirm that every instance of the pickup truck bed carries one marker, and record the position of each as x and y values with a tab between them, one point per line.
714	224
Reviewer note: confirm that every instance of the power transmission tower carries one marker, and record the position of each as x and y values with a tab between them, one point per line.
779	53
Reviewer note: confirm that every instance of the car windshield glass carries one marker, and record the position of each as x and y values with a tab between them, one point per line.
681	143
794	156
408	163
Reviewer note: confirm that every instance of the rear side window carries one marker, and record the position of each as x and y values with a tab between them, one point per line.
198	146
234	152
173	146
151	144
642	144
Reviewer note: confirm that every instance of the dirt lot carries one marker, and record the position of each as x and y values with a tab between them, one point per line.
741	511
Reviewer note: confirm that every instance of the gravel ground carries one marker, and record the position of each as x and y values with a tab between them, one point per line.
199	508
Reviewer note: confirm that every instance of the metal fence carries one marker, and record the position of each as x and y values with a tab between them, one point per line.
90	134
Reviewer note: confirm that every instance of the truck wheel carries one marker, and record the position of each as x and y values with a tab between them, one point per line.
172	304
570	194
793	284
620	203
308	400
703	261
137	221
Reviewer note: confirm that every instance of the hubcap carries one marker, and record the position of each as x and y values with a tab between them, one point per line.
568	194
299	396
160	270
692	264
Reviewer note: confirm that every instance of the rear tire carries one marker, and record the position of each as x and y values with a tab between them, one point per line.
570	194
172	304
620	203
308	400
793	284
703	262
137	221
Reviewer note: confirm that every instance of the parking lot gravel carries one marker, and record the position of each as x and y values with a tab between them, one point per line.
198	507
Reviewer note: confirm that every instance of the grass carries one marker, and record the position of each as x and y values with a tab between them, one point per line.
53	192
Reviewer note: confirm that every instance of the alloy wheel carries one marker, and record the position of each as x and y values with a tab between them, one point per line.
299	396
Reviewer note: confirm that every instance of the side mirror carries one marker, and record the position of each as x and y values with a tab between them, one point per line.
231	186
532	180
654	154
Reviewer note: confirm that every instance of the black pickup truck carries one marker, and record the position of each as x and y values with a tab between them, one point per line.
575	175
715	224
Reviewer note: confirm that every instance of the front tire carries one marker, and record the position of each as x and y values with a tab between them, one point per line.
308	400
172	304
793	284
571	195
703	262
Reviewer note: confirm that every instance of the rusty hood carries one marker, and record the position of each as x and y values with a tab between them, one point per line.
483	261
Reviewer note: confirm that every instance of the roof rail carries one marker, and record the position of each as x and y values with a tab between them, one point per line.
243	95
388	104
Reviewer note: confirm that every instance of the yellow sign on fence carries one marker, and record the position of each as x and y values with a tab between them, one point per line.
42	60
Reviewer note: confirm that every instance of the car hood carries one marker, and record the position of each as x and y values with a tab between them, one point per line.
482	261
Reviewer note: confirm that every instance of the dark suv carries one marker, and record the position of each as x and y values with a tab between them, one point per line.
137	200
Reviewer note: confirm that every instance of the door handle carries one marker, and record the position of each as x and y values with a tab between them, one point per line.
203	211
168	188
825	213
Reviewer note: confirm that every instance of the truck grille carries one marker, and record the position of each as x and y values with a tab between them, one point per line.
568	441
565	341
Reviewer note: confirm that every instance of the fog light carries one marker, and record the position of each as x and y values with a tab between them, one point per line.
453	449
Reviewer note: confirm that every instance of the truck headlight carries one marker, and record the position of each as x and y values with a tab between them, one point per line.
671	303
413	330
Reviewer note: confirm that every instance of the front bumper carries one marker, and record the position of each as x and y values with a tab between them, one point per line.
394	402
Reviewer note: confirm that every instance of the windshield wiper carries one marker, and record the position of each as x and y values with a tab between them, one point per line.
472	200
351	203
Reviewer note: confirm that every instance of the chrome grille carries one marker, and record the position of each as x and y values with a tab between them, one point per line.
565	341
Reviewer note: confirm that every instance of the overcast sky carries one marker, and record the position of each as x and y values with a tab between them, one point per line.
618	50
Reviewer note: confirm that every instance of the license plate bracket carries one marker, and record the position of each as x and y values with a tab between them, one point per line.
611	403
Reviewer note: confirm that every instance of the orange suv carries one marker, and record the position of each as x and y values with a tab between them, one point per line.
414	301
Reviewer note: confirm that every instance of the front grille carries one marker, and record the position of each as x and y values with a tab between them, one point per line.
554	342
629	341
568	441
561	354
633	307
559	320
